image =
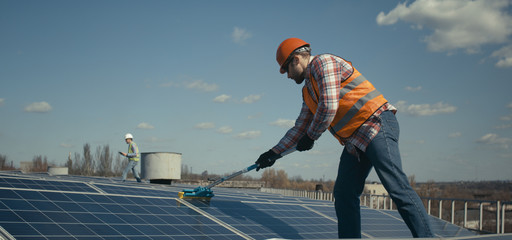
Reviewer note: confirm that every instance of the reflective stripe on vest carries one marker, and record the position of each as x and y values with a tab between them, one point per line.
358	101
136	158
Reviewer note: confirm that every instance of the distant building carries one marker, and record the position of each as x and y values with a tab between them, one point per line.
375	188
26	167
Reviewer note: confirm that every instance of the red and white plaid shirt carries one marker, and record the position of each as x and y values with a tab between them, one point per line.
329	71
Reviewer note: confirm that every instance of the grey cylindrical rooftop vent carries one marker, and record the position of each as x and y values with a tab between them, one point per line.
161	166
57	170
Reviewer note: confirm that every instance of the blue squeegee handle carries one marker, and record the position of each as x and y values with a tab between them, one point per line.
247	169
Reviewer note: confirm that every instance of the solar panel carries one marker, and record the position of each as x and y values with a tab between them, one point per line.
263	220
441	227
68	207
16	182
68	215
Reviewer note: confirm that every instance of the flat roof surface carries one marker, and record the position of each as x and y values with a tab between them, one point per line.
39	206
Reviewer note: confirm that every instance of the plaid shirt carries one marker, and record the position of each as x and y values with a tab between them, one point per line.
329	71
365	134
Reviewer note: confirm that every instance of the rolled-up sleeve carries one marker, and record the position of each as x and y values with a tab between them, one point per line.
293	135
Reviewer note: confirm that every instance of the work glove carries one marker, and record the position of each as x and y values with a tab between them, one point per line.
305	143
267	159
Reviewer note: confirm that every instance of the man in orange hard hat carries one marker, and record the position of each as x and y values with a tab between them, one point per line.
338	98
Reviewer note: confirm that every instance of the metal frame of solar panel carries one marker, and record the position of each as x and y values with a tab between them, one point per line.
38	206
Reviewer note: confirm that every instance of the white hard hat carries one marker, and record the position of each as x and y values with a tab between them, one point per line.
128	135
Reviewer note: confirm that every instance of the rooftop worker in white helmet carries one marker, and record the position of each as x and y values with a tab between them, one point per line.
336	97
133	156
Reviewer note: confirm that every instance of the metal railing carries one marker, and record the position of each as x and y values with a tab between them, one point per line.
487	216
478	215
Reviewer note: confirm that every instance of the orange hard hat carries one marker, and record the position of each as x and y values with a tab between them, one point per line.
286	48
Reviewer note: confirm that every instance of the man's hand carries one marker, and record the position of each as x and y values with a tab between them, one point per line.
305	143
267	159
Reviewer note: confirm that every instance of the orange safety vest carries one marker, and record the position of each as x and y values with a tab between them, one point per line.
358	101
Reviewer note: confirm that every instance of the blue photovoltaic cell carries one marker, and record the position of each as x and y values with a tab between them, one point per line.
9	216
92	215
269	220
137	190
20	228
439	226
56	196
12	182
69	207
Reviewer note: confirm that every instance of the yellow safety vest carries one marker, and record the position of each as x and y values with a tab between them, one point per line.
136	158
358	101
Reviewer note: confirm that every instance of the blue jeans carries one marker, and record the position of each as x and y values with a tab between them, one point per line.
131	165
382	154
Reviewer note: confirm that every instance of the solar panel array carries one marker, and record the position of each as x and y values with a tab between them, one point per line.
67	207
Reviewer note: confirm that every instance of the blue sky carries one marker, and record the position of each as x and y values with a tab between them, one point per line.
200	78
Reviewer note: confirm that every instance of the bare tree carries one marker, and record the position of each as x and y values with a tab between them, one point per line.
39	164
104	157
87	162
69	164
412	180
119	165
269	176
428	189
77	166
3	163
282	179
184	171
3	160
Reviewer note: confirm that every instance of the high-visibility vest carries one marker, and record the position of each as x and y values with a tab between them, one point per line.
136	158
357	102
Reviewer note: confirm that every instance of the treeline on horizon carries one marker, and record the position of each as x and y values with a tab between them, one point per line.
102	162
105	163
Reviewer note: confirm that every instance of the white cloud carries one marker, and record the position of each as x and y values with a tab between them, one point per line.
248	135
202	86
455	135
144	125
413	89
192	84
222	98
506	118
504	126
284	123
458	24
38	107
205	125
425	109
495	140
239	35
169	84
2	100
225	130
504	56
251	98
66	145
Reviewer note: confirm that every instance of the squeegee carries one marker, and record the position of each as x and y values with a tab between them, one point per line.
206	193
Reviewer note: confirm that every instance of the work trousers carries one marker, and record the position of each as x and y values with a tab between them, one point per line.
383	155
131	166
